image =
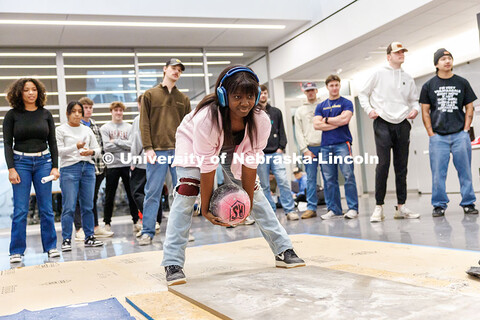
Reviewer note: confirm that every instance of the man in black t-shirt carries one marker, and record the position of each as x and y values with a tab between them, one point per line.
443	98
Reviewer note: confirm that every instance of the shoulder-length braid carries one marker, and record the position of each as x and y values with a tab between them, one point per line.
238	82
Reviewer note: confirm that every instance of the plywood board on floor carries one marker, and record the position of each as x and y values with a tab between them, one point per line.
318	293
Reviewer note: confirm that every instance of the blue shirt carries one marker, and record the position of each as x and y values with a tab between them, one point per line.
332	108
88	124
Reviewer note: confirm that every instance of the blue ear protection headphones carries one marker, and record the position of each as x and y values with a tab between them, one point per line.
222	92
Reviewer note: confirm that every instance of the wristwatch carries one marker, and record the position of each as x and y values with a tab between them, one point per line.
326	119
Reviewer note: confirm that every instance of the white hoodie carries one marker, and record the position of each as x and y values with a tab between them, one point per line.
391	93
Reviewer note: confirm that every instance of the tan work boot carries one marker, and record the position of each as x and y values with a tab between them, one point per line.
309	214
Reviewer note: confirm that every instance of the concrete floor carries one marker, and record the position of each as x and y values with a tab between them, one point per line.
455	230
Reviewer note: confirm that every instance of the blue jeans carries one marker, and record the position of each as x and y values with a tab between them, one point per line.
77	181
440	147
330	178
312	170
180	220
153	190
32	169
283	183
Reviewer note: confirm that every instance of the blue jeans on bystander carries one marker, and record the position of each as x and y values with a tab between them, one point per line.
77	181
32	169
440	147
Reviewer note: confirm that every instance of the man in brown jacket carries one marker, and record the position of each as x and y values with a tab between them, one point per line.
163	108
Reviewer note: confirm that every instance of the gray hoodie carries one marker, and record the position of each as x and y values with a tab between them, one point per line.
115	139
391	93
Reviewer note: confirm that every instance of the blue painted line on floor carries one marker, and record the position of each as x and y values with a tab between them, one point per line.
143	313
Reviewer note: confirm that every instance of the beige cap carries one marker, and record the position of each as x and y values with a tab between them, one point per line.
395	47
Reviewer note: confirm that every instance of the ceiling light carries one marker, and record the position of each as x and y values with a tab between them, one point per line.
98	54
224	54
27	76
169	54
27	54
94	66
16	66
143	24
95	76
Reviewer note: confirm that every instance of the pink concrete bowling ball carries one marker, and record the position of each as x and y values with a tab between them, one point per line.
230	203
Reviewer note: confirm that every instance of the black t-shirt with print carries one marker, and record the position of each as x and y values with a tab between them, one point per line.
446	98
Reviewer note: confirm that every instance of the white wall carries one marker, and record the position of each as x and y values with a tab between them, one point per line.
344	27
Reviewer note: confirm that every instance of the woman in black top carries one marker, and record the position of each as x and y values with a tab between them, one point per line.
27	129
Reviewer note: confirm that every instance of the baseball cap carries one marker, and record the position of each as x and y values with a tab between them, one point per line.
395	47
175	62
297	170
440	53
309	86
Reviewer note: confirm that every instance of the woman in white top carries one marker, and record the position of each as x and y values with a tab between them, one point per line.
76	147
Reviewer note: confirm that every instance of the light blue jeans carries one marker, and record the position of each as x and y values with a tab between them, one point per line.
77	182
440	147
180	220
312	170
283	183
330	178
153	190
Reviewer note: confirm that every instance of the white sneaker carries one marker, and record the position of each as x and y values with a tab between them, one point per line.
108	228
405	213
16	258
248	221
102	233
157	226
137	227
53	253
139	234
80	235
377	215
191	237
145	240
351	214
330	215
292	215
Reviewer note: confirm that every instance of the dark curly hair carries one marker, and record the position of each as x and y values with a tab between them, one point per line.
15	93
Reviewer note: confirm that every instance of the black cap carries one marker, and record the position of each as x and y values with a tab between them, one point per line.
440	53
175	62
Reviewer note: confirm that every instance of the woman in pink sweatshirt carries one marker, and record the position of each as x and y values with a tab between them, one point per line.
228	128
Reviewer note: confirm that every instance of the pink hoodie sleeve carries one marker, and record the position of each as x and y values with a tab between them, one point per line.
207	141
